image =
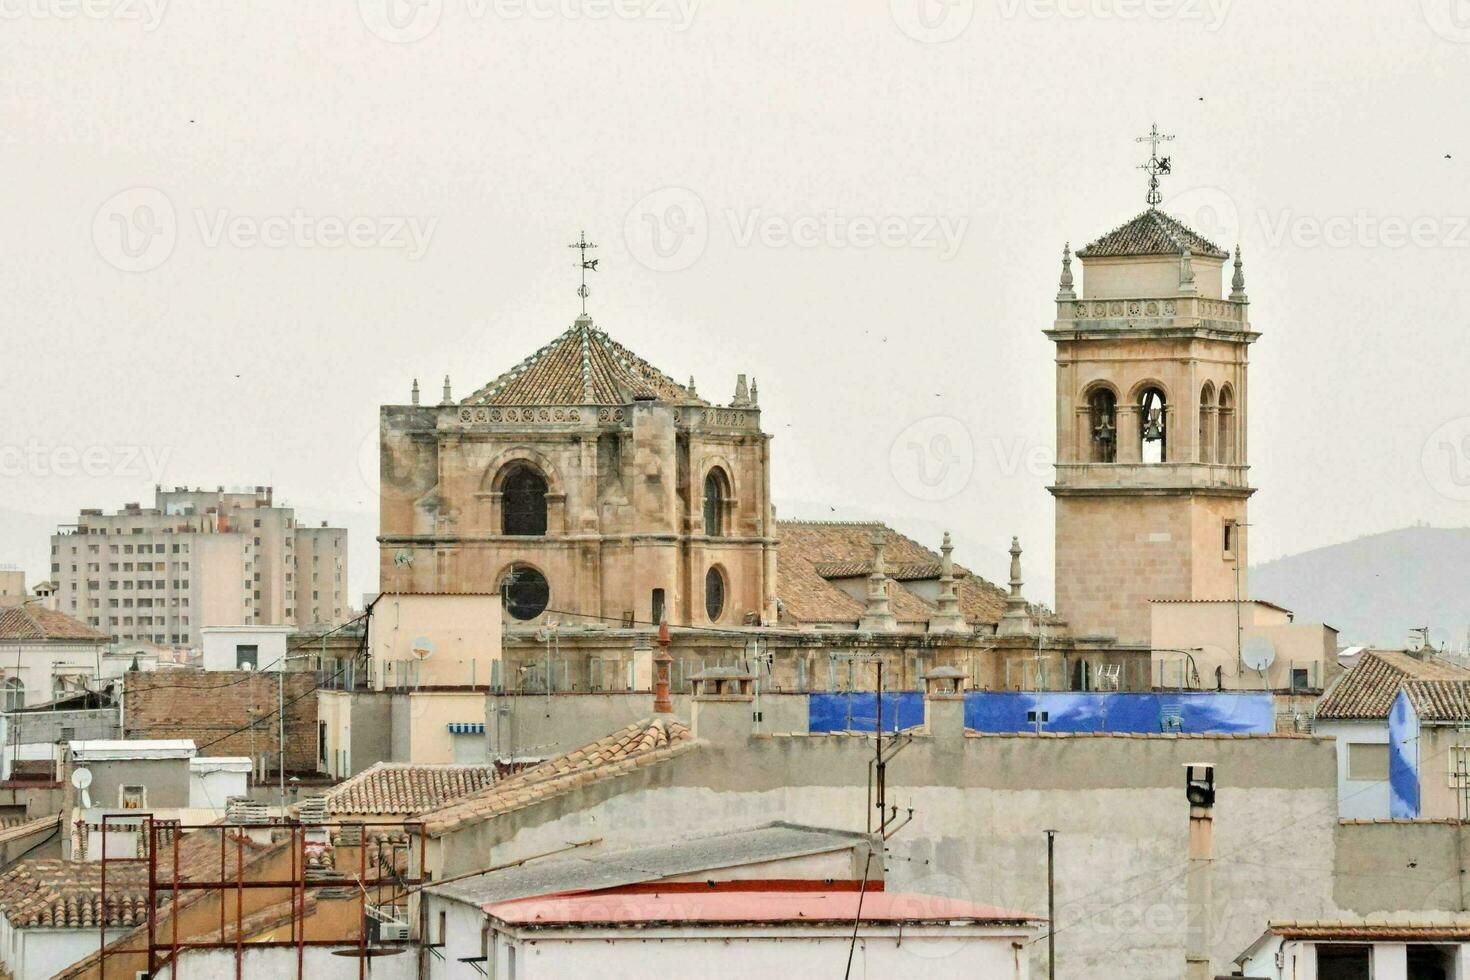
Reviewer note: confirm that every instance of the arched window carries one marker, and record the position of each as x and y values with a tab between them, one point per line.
523	509
716	493
1102	408
1225	442
15	694
714	594
524	592
1153	426
1207	424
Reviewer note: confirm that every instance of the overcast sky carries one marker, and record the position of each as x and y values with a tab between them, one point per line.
236	229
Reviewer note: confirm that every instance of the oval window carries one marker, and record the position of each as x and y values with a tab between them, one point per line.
525	593
714	594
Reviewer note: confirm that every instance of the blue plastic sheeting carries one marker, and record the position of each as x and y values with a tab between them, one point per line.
1193	713
858	711
1403	759
1008	711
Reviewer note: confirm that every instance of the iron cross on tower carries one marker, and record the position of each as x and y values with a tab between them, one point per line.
1156	165
582	245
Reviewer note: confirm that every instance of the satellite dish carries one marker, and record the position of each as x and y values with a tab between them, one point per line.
403	557
82	778
1258	653
422	647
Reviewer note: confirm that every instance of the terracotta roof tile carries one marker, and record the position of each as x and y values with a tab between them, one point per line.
1367	691
582	366
404	788
1151	233
814	551
644	742
1438	699
57	894
33	621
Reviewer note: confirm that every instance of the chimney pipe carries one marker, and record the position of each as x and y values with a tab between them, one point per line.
662	704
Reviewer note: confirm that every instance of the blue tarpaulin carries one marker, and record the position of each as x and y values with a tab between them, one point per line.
1194	712
1060	711
858	711
1403	759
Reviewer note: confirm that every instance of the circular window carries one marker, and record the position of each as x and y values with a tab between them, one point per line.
714	594
525	592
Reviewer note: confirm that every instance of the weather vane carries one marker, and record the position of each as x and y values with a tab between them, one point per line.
582	245
1156	165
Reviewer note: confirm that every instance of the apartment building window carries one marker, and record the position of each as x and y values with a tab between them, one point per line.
55	569
91	549
112	549
257	524
132	797
127	549
15	694
314	596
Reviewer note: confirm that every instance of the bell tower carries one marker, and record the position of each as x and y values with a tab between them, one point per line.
1151	472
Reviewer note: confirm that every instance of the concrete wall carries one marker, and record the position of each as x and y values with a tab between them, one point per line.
1357	799
534	726
979	807
359	730
1401	865
1441	792
320	964
461	633
36	954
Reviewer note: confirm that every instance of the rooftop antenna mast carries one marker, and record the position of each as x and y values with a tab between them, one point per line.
1157	166
582	245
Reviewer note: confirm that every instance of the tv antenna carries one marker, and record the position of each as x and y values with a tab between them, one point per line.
1157	166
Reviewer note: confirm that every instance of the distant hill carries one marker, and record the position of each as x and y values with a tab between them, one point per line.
1376	588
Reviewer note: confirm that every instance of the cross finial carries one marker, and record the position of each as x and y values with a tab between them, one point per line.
1156	165
582	245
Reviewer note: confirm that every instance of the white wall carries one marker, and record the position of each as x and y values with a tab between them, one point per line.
220	643
931	953
36	954
280	962
1357	799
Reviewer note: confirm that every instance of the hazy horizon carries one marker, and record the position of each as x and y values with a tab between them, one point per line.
239	230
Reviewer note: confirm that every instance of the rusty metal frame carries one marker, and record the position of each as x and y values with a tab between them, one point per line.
161	953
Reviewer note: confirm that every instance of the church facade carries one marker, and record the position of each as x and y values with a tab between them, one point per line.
583	484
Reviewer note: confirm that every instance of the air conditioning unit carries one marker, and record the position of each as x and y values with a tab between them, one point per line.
393	932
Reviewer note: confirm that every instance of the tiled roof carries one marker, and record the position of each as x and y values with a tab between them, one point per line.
1390	927
1367	690
1152	233
814	551
198	862
57	894
33	621
1440	700
397	787
583	366
642	743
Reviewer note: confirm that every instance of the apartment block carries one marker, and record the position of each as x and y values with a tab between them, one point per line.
198	558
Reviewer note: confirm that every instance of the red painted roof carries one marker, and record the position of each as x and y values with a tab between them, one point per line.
619	906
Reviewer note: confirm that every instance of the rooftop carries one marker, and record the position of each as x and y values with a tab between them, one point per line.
109	749
1151	233
582	366
646	742
814	553
1440	700
33	621
401	787
1367	691
775	902
600	869
52	893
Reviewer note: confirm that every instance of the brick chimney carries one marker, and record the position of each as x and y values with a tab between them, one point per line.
944	702
662	704
724	704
